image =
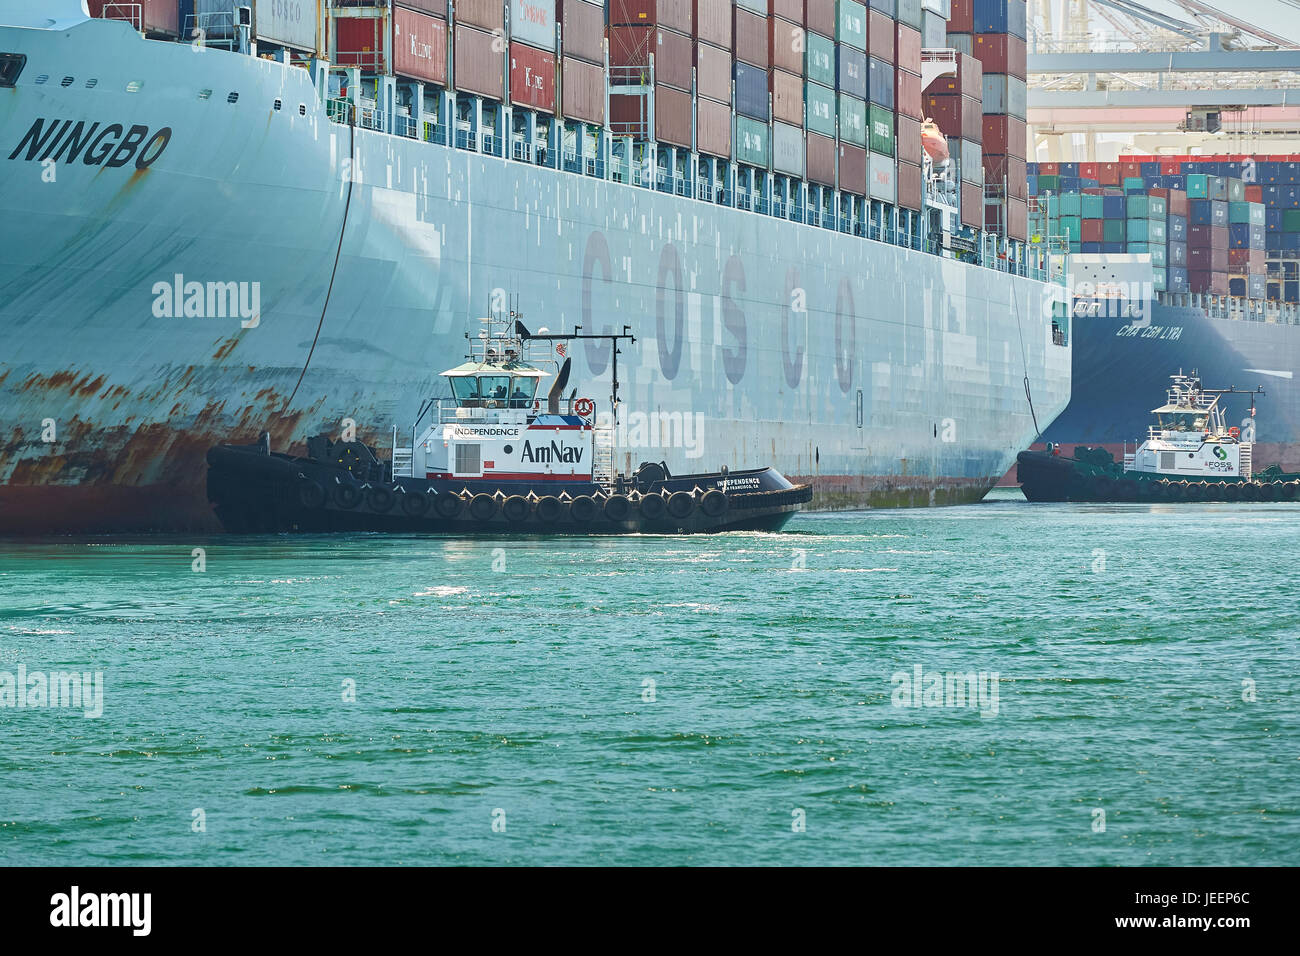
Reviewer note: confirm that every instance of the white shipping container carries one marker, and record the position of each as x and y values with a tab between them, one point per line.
758	6
533	22
961	42
882	177
941	7
969	157
1005	95
292	23
787	149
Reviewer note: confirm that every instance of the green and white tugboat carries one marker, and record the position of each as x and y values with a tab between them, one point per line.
1190	454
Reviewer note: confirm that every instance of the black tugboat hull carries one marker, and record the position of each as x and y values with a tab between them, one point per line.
256	492
1045	477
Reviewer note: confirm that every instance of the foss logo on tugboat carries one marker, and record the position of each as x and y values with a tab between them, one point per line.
1190	454
493	459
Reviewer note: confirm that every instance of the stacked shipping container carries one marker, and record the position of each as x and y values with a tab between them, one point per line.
955	105
582	70
1207	229
406	38
639	29
998	42
908	111
713	42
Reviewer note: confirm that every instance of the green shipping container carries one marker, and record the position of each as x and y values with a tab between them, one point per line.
1146	230
882	130
1134	182
1147	207
751	142
1052	183
1090	206
851	23
1198	186
1112	230
853	120
1236	190
1251	213
819	59
819	109
1158	279
1071	226
1291	220
1070	205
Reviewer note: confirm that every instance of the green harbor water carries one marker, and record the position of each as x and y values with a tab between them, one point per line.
738	699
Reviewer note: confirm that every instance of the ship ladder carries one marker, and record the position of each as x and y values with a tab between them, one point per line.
403	459
1246	465
602	456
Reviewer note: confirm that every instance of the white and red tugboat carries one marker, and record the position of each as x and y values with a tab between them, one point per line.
495	457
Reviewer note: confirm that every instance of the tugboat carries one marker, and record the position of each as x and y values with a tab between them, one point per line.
494	458
1189	455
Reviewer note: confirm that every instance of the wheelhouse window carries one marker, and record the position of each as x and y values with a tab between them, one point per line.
465	391
522	391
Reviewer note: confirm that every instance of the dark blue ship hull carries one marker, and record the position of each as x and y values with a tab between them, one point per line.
1122	368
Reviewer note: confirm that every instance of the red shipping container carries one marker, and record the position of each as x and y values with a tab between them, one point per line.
713	73
1089	170
478	65
583	32
672	116
420	48
1130	170
488	14
713	128
713	24
791	10
750	31
631	47
907	46
155	16
1254	194
1242	261
819	17
962	19
880	36
1159	193
674	59
1178	202
972	203
787	97
435	8
583	90
532	78
853	169
1000	53
1208	283
908	132
909	185
627	115
907	94
1108	174
1214	260
969	80
1052	169
786	45
957	116
1018	219
676	15
1171	167
821	159
1004	134
363	42
1093	230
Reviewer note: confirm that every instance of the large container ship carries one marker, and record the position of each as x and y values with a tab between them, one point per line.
1187	263
227	218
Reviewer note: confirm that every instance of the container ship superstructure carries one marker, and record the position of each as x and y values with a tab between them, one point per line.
1179	262
229	218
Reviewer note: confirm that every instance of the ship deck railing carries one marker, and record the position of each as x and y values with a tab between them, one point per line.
862	223
1237	308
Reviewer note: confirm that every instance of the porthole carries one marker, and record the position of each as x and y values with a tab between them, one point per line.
92	83
277	106
66	81
302	109
232	98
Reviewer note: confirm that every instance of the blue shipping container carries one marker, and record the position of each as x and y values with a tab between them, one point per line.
1000	16
881	83
751	91
850	71
1113	207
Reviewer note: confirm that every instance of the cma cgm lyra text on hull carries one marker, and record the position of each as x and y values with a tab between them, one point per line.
203	244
